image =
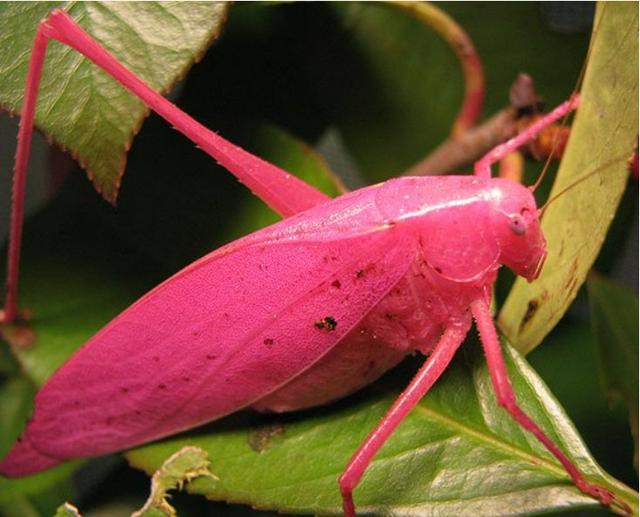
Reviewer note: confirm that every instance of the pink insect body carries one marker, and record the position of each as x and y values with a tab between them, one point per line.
297	314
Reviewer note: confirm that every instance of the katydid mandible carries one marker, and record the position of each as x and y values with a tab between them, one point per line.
390	269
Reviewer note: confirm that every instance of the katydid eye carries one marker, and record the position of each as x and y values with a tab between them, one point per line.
517	224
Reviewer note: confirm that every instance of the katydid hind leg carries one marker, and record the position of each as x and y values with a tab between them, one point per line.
428	374
25	132
506	398
483	166
283	192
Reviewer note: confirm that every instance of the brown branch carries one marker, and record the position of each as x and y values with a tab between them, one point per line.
455	153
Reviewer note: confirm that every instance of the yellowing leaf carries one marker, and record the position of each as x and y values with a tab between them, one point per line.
602	139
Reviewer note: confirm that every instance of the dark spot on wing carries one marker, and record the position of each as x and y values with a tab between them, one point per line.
336	284
268	342
360	273
327	323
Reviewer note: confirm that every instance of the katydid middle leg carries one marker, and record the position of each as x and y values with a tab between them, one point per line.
428	374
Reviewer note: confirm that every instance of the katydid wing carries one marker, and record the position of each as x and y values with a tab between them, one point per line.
490	267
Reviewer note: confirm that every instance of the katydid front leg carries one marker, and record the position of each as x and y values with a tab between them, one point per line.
482	167
283	192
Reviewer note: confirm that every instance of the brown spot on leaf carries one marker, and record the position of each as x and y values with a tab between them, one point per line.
570	288
571	275
261	439
532	308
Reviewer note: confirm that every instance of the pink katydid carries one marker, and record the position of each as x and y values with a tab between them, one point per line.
316	264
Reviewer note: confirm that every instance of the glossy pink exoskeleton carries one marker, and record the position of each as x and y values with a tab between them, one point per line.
295	315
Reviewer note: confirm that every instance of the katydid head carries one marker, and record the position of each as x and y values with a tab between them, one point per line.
516	225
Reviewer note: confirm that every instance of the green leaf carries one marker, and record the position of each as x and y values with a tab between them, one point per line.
614	316
50	482
80	107
602	139
19	507
181	467
457	453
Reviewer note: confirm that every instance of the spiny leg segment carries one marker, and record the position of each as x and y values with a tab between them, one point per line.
483	166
